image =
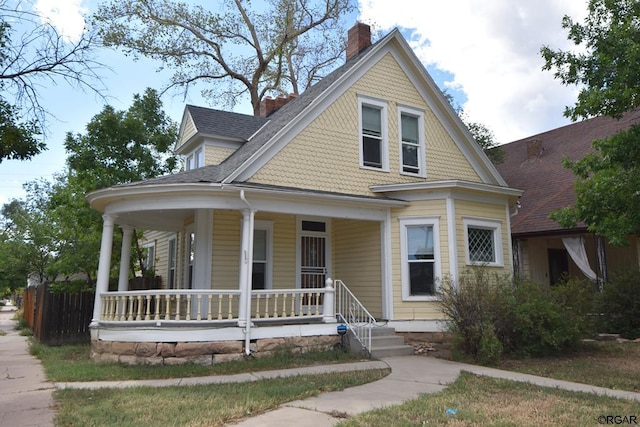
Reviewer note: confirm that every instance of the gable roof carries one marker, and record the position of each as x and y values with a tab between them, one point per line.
253	150
224	124
534	164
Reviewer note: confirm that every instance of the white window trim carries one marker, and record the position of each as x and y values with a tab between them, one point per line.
437	267
382	105
268	227
194	157
150	246
174	239
419	114
496	227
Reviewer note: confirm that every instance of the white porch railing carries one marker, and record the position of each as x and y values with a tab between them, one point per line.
170	305
351	311
215	305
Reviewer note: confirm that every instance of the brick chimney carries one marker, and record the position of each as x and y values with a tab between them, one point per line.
534	148
358	39
269	105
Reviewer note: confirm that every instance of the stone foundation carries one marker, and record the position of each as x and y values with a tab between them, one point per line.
202	353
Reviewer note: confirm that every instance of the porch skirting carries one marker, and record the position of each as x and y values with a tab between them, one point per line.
197	346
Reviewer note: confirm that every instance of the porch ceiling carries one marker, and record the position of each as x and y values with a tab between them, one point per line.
161	219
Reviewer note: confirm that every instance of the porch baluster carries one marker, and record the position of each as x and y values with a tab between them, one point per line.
210	307
139	315
187	315
103	311
157	316
130	312
317	303
118	308
266	306
199	316
284	303
177	307
148	313
257	306
300	308
167	313
230	315
219	307
275	306
293	305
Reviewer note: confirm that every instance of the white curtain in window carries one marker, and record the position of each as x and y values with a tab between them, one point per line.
575	247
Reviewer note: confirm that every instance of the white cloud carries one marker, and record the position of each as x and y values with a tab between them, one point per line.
66	16
492	49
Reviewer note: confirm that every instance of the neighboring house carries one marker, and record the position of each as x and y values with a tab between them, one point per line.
359	196
544	251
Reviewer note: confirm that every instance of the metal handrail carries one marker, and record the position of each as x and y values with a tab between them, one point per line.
352	312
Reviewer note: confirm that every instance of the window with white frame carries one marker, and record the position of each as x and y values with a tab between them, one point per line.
483	242
149	260
262	261
373	134
411	141
195	160
420	250
171	261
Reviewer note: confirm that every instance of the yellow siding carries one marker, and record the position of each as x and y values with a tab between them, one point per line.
216	155
284	249
160	239
358	263
188	130
226	249
488	211
417	309
328	149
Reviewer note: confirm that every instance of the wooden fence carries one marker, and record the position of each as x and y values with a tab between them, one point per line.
58	319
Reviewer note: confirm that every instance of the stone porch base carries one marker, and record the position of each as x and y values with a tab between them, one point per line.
202	353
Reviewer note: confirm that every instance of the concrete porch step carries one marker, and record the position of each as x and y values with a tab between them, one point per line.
385	343
392	351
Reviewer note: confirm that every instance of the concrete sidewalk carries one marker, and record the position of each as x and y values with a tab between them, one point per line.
25	395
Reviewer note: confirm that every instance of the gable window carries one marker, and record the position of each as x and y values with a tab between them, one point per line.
261	270
195	160
420	250
483	242
373	135
411	142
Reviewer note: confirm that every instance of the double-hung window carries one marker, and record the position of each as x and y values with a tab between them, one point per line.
149	261
483	242
420	250
411	141
261	267
373	134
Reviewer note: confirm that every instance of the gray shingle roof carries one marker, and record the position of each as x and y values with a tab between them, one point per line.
213	120
225	123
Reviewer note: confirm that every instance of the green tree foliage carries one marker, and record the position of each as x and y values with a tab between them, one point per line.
239	47
32	55
607	188
606	67
606	64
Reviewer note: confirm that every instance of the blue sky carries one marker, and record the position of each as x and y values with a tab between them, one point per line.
484	53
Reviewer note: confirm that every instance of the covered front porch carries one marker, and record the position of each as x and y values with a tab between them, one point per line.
243	264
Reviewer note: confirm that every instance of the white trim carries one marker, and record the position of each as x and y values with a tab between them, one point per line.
509	241
387	268
187	249
486	224
419	115
416	325
434	222
365	101
268	227
452	238
445	184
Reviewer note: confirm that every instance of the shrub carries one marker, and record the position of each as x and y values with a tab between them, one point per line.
619	304
71	287
491	315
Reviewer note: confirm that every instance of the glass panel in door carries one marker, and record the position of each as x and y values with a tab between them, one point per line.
313	266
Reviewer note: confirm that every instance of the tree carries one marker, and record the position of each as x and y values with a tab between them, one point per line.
279	46
607	63
33	53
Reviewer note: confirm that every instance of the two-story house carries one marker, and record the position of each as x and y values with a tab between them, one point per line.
349	203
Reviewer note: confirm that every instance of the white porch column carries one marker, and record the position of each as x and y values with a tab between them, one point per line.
328	305
246	267
203	230
125	258
104	265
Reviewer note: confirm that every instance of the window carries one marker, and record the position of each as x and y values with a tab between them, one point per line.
199	158
261	270
149	261
373	135
411	142
190	245
483	242
191	162
195	160
171	273
420	258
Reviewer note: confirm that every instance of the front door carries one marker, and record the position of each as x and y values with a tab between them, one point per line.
313	257
558	265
